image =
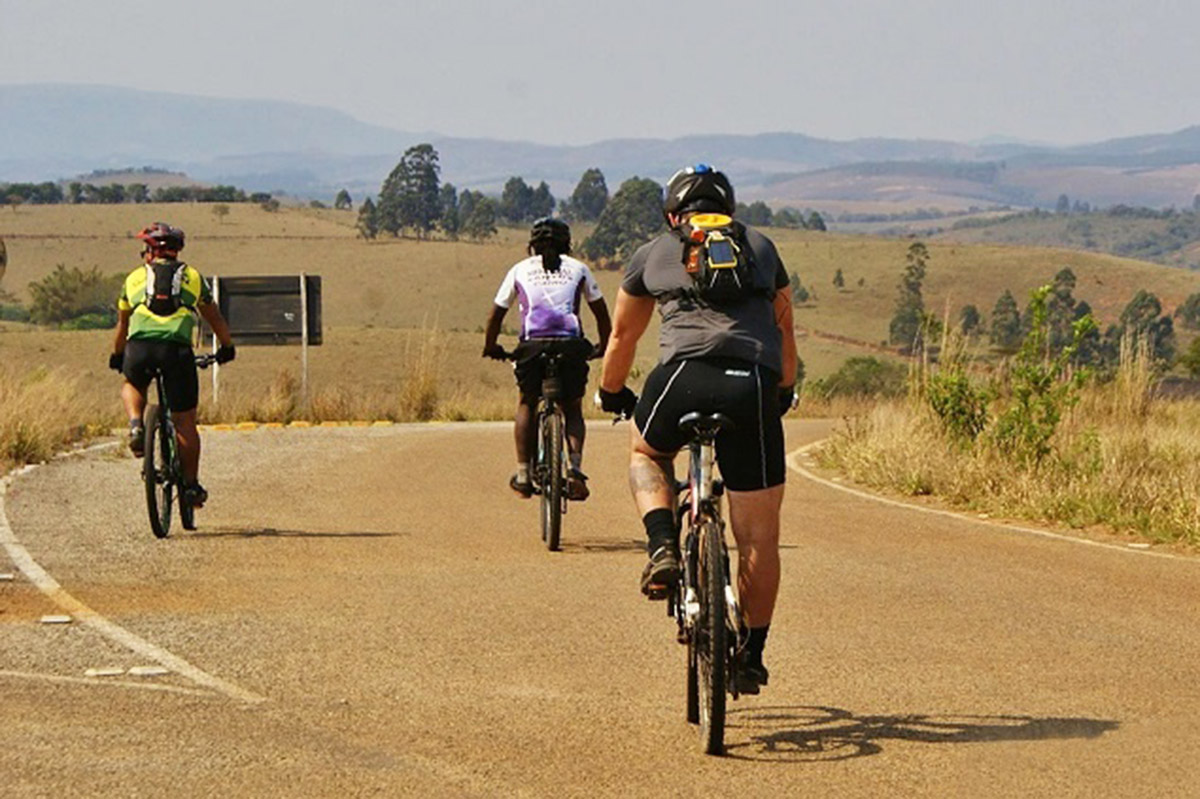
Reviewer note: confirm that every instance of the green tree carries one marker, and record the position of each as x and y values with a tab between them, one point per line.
863	376
1144	320
589	198
788	217
368	220
758	213
815	222
908	321
632	216
1006	323
477	214
1063	205
67	294
839	281
343	202
220	211
138	193
450	221
516	201
1190	359
970	322
409	198
541	202
1188	313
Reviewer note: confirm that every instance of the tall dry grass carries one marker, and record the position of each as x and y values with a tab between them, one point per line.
1122	459
42	411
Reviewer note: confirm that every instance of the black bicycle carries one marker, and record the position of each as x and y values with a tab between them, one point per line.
703	601
162	469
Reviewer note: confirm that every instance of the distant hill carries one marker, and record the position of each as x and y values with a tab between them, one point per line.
54	131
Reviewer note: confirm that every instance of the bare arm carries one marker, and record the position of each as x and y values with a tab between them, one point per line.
492	331
122	329
630	319
212	315
787	329
603	323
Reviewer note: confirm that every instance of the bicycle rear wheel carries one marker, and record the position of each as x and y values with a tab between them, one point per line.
553	484
156	471
711	641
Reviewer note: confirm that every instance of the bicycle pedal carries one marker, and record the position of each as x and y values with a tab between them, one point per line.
656	592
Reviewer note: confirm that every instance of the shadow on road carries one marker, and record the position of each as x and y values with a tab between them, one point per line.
271	532
816	734
602	545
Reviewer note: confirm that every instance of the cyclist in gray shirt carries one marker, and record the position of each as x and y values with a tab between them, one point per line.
737	357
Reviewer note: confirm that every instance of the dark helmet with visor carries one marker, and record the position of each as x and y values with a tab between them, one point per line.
553	232
699	188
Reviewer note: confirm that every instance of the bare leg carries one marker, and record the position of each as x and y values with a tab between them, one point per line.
189	443
133	400
651	476
754	516
525	432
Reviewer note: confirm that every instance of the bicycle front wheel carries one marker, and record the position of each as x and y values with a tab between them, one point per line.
711	641
553	483
156	471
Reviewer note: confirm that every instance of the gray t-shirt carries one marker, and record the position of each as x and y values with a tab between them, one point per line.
691	329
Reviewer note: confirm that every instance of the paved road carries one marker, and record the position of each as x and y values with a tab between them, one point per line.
370	611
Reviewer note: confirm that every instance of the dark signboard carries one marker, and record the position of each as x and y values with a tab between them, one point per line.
267	310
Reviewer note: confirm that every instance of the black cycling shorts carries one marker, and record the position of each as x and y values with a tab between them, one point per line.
751	455
572	367
178	364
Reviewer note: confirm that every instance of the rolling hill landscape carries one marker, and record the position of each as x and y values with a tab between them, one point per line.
55	131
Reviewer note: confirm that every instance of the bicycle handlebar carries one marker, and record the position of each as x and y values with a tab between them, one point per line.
206	360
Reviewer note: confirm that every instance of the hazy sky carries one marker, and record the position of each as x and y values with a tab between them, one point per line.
567	72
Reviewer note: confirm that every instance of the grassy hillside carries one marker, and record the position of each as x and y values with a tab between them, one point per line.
1166	237
385	302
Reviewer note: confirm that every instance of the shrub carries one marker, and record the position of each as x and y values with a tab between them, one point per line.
66	294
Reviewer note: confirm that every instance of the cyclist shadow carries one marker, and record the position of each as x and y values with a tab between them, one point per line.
272	532
590	545
828	734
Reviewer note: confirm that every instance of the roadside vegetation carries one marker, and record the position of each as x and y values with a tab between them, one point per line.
1037	438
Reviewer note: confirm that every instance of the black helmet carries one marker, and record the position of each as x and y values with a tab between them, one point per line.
548	230
699	188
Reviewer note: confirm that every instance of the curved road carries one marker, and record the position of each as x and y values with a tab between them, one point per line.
371	611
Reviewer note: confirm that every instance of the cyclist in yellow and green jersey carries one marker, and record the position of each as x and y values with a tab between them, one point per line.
156	317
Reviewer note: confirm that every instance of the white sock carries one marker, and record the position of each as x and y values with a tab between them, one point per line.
522	472
577	460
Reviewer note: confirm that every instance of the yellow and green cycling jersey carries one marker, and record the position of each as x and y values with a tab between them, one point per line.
178	326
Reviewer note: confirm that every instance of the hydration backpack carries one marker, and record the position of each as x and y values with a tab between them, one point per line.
718	257
164	287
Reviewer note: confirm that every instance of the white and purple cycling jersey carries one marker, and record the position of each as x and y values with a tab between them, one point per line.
549	301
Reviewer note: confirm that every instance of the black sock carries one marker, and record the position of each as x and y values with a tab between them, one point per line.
756	639
660	528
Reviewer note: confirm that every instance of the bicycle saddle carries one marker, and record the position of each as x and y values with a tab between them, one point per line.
696	424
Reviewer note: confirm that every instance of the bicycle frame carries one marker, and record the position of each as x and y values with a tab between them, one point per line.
701	499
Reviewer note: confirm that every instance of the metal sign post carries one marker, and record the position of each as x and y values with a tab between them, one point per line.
216	367
304	340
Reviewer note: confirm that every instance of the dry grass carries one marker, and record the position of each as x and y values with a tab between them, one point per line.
42	411
1121	460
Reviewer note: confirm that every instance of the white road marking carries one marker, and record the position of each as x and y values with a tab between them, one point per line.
143	686
793	461
85	615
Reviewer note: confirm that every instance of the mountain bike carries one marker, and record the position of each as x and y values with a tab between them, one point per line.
162	469
703	601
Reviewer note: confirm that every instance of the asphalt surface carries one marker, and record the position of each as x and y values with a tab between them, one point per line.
372	612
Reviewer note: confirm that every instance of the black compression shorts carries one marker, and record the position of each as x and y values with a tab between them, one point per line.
751	455
178	363
572	368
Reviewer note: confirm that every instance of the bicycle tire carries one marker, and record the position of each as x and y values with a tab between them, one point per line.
553	483
711	636
156	472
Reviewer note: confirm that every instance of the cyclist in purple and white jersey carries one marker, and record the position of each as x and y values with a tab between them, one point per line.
549	287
